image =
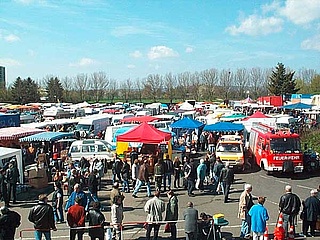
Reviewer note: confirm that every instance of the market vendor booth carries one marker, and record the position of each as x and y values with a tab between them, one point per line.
153	140
7	154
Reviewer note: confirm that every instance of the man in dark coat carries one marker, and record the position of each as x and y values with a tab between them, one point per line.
190	217
289	205
3	188
191	175
96	218
311	209
41	215
172	213
12	175
9	221
226	179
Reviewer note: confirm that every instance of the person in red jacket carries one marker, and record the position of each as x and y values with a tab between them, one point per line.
76	218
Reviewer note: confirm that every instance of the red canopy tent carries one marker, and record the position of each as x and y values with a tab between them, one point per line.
139	119
256	115
144	133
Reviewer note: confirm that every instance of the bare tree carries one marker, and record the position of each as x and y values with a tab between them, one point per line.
170	82
81	85
68	86
153	86
99	82
138	86
113	89
241	79
184	85
226	78
210	80
195	84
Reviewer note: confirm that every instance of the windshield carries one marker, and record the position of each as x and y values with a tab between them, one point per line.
285	145
229	147
83	127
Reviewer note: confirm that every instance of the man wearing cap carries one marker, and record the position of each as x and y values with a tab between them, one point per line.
42	217
259	217
9	221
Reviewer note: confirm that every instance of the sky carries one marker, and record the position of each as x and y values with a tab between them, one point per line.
134	38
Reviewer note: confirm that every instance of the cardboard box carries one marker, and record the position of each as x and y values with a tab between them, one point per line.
38	182
37	173
42	157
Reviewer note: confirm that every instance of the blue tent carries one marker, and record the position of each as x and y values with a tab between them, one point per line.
223	127
187	123
297	106
46	136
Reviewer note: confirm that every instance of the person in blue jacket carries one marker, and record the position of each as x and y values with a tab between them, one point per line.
259	217
201	174
77	193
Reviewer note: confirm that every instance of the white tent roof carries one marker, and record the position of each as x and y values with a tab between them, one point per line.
9	153
186	106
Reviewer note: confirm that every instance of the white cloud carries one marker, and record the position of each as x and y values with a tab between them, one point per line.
136	54
9	62
161	52
301	11
83	62
131	66
11	38
257	25
189	50
129	30
274	6
311	43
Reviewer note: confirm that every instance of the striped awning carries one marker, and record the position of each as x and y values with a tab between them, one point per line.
46	137
12	133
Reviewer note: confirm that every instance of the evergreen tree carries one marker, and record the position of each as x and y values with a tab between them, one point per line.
25	91
281	83
54	89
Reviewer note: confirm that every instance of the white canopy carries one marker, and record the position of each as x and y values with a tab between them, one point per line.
7	153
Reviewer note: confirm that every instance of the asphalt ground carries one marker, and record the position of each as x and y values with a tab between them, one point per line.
270	186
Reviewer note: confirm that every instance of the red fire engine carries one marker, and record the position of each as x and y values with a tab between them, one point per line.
275	150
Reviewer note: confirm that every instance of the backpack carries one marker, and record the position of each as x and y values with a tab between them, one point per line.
158	170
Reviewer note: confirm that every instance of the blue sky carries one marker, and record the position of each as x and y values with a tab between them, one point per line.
134	38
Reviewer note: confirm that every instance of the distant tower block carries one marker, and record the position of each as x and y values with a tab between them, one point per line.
2	77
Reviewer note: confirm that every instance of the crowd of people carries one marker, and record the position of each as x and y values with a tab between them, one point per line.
210	174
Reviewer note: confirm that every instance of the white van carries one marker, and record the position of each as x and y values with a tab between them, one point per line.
91	149
111	130
118	117
92	125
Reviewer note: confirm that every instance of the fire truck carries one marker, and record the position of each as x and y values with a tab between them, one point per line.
275	150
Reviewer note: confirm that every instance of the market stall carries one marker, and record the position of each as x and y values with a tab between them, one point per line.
10	136
146	134
7	154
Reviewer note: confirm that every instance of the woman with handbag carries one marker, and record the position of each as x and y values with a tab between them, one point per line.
172	215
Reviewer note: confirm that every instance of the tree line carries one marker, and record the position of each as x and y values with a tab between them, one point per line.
207	85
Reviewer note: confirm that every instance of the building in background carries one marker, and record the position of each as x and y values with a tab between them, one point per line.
2	77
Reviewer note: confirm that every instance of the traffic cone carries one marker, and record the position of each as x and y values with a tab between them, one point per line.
280	221
291	233
266	234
